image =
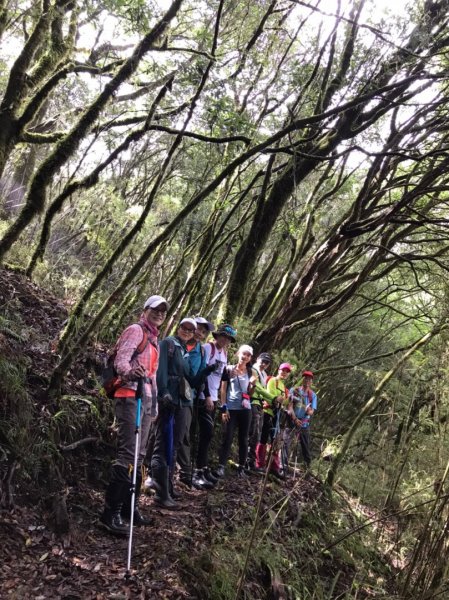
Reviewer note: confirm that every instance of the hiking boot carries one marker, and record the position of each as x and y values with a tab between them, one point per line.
139	520
278	475
199	481
150	486
116	494
162	497
173	493
112	522
241	472
219	471
187	481
208	475
261	455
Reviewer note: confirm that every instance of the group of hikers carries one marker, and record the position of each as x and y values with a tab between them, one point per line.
183	382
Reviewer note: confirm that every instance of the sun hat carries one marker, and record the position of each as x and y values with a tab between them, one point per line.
246	348
225	330
265	356
202	321
188	320
155	301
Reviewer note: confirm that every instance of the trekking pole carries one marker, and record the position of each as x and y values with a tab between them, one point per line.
139	393
194	433
297	433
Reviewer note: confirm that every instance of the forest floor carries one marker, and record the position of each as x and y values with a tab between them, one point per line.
196	552
88	563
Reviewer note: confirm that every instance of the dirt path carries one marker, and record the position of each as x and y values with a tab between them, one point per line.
91	564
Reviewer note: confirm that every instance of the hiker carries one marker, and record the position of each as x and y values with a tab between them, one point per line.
174	394
303	404
199	370
260	393
235	409
271	420
136	357
216	355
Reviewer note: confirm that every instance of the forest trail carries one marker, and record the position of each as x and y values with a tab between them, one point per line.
88	563
194	553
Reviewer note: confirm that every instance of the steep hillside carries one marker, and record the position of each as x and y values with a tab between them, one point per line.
54	463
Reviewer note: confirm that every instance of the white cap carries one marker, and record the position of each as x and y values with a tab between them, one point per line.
155	301
188	320
246	348
201	321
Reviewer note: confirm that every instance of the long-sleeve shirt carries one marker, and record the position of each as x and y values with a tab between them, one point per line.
260	390
276	387
127	359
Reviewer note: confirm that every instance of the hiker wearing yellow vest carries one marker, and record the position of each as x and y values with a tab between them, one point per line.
279	394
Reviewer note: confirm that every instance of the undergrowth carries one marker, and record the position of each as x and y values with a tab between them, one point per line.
290	553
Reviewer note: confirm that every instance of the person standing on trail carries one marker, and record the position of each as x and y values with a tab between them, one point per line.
199	371
271	419
235	409
259	381
174	395
303	404
136	357
216	356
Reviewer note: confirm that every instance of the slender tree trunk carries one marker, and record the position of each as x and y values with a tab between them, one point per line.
372	403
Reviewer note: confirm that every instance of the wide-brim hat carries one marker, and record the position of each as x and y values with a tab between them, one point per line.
226	331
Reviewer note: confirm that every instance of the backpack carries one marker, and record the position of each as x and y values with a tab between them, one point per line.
111	381
212	351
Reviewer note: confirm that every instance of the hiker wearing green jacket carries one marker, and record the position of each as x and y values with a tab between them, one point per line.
279	398
260	394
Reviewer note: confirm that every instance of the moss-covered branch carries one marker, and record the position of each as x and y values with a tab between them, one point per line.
90	180
35	199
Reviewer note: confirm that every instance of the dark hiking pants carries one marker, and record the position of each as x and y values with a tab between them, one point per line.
241	420
304	440
184	449
205	433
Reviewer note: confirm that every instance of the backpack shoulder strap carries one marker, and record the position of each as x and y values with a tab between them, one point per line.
145	339
171	347
212	350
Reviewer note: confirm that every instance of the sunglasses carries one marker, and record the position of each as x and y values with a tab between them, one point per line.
159	311
188	329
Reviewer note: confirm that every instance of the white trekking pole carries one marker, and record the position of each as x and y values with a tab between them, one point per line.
139	392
